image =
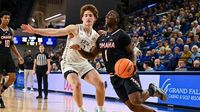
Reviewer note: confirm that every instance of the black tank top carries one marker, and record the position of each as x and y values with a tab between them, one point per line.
6	40
112	46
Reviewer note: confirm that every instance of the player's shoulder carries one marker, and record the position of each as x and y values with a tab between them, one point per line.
123	32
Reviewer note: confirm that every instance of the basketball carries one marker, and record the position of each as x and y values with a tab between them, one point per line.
124	68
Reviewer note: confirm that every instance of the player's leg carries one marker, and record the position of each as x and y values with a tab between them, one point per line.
11	79
74	80
94	78
136	96
2	69
1	100
10	70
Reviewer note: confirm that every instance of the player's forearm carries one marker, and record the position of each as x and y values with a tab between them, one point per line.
87	55
14	49
50	32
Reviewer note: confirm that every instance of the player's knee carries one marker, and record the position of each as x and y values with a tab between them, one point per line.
100	84
77	86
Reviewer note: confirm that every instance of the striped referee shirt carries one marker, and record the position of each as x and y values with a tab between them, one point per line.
41	59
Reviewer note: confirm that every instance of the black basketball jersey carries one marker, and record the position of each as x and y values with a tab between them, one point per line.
6	40
112	46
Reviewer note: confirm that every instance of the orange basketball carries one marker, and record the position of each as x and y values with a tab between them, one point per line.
124	68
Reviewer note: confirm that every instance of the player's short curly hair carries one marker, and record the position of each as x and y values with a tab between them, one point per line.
5	13
91	8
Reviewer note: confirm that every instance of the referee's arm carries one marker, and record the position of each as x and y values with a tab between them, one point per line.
49	66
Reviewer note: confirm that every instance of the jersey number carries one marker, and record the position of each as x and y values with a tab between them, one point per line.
7	43
106	55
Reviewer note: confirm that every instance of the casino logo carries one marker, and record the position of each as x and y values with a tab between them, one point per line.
166	84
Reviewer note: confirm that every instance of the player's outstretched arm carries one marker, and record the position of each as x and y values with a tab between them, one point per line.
70	29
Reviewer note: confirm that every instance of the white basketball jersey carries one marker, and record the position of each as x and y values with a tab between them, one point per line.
85	42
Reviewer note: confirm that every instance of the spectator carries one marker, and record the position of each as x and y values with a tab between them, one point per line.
160	44
195	53
189	42
28	70
196	41
147	66
55	68
196	66
175	58
158	66
180	44
172	44
186	54
196	27
181	66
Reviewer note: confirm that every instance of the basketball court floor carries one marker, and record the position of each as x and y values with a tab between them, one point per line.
18	101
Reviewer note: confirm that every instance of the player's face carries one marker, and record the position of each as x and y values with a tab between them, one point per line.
112	18
88	18
5	20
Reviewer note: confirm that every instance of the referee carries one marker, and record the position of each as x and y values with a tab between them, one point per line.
42	68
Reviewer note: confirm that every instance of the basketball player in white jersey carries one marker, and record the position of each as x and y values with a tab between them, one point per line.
73	64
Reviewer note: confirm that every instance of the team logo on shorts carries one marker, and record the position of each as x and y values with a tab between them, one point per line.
136	82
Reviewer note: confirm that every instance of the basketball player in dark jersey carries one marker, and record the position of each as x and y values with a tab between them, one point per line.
6	45
114	45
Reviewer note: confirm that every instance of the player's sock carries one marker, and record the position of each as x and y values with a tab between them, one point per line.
100	108
81	109
1	102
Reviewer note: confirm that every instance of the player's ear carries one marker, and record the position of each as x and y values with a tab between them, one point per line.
117	20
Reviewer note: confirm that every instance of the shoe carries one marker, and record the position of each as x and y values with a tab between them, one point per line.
2	103
96	110
32	89
45	97
24	90
158	92
39	97
82	111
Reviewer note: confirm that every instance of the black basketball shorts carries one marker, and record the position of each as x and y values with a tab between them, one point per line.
7	65
124	87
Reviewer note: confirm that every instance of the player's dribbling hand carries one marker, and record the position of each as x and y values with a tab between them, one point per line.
27	28
75	47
